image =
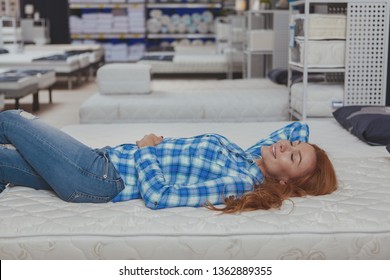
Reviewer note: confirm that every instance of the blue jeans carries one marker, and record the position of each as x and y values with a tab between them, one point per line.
48	159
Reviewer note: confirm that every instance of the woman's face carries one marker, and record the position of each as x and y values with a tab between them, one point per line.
286	160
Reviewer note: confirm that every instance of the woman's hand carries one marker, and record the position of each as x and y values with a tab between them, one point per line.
149	140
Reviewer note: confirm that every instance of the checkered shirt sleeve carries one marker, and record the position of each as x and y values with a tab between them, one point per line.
295	131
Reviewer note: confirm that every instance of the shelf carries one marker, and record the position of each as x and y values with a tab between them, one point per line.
103	36
255	52
303	2
104	5
183	5
180	36
299	67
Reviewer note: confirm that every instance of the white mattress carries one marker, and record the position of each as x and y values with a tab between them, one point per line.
44	80
190	63
225	84
192	101
321	98
96	54
329	53
352	223
25	61
323	26
20	84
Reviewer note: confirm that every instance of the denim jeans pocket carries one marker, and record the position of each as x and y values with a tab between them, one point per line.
95	191
80	197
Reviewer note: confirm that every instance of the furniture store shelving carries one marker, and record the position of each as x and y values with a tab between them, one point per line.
364	46
119	26
10	33
266	42
185	21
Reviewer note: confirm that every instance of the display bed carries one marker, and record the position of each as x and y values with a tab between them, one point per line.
14	86
15	82
351	223
95	51
64	64
44	78
192	101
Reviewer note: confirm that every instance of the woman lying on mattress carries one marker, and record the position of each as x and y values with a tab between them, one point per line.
204	170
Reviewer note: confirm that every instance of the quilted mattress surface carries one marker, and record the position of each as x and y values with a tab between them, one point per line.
352	223
192	101
322	26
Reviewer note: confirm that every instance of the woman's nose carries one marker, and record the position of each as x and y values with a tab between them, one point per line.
285	146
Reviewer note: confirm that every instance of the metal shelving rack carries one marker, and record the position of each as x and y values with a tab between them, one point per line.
10	33
277	22
114	37
365	71
104	35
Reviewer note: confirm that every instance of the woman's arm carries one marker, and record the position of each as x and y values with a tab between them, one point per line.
295	131
157	193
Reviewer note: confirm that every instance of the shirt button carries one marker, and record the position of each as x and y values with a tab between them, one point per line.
251	161
156	203
237	154
220	152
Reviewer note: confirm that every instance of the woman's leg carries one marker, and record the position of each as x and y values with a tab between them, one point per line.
74	171
13	168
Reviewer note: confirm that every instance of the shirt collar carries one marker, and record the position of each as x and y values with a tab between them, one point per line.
255	171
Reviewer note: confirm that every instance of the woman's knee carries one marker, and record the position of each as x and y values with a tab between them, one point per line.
16	114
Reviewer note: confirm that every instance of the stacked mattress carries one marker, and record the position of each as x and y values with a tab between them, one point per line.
328	53
351	223
326	40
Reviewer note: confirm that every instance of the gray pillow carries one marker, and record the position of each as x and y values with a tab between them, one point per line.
370	124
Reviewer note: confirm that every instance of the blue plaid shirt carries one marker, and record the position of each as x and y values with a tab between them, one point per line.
191	171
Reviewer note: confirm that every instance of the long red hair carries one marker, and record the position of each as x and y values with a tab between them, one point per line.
271	194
